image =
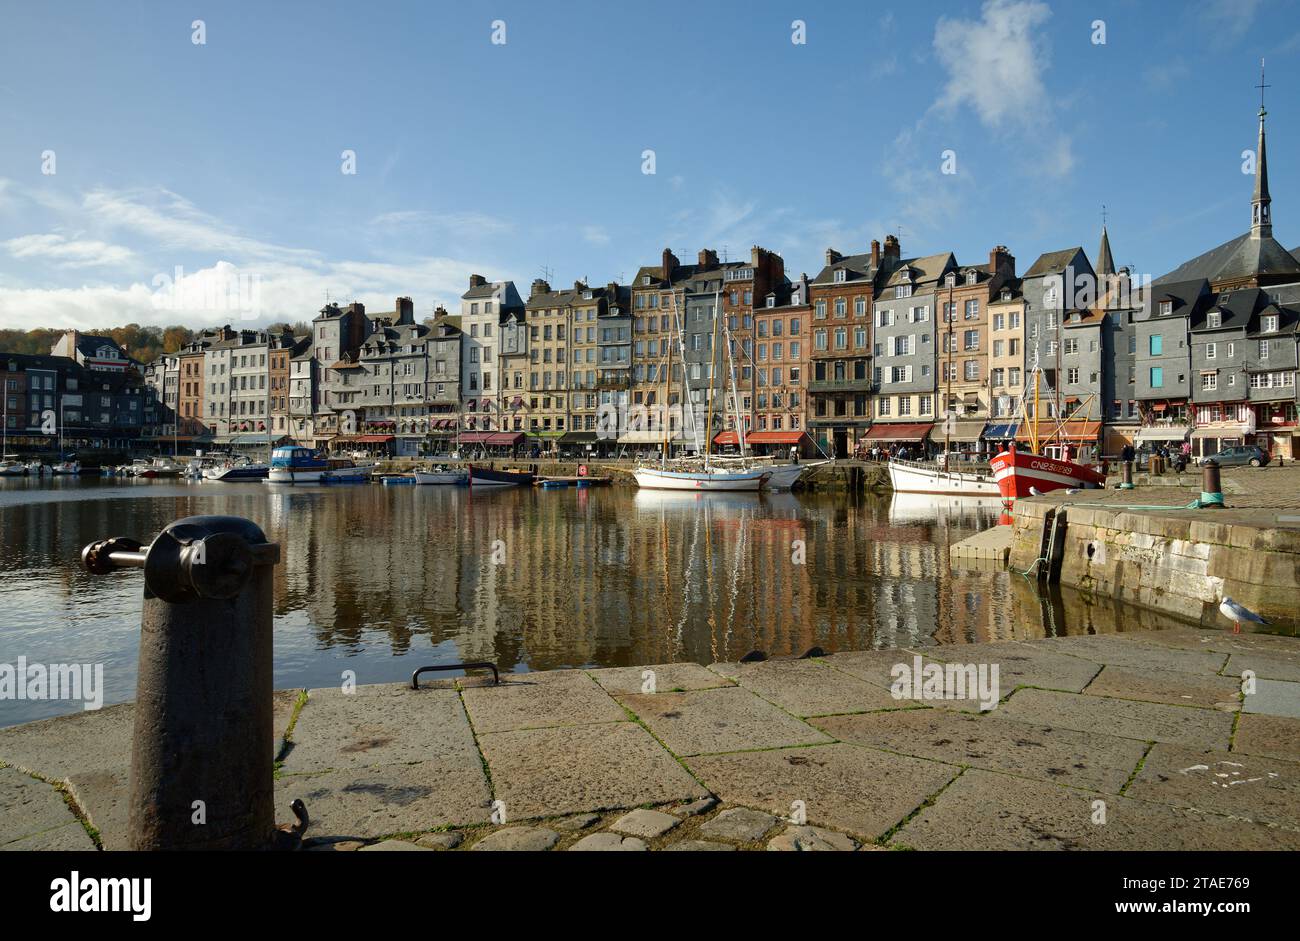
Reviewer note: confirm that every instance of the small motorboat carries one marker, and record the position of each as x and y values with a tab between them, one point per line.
66	468
162	467
236	471
36	468
11	467
442	475
346	471
487	477
294	464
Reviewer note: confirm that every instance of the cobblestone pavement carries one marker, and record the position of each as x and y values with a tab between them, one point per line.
1245	488
1132	741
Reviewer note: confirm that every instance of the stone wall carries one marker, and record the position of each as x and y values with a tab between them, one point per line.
1181	562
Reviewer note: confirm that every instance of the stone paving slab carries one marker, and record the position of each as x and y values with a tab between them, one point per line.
669	678
70	836
1024	664
1262	790
874	666
982	810
1275	698
845	787
1222	641
1268	736
1083	759
1269	665
1179	725
719	720
84	741
540	700
1129	650
379	725
103	797
365	803
548	772
808	687
29	807
1168	686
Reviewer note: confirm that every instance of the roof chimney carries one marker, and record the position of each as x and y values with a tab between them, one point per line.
832	256
892	247
1001	261
477	281
708	258
670	264
539	287
875	253
405	310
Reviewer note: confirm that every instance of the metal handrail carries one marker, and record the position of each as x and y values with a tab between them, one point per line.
479	665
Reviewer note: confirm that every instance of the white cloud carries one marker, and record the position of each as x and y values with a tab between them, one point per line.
1228	20
595	234
69	253
995	63
460	224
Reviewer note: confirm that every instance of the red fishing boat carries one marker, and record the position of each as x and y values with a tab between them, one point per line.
1017	471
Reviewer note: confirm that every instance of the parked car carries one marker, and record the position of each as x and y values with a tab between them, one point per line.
1239	455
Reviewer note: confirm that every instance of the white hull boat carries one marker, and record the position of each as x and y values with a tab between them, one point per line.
12	469
701	481
66	467
443	477
919	478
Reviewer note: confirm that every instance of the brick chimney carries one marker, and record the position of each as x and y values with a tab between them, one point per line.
832	256
539	287
1002	261
708	258
670	264
405	310
477	281
892	247
875	253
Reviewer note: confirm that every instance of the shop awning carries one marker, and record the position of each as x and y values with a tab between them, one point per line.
774	437
547	435
1163	433
650	436
1070	430
962	430
475	437
505	438
898	431
578	437
374	439
1234	430
1004	431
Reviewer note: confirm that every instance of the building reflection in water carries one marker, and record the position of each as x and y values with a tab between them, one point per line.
381	579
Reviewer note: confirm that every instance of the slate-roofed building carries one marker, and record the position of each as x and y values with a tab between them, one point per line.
838	345
100	353
549	316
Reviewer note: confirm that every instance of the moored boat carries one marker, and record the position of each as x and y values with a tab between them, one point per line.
487	477
701	481
346	471
442	476
1017	471
294	464
911	477
11	467
66	468
237	471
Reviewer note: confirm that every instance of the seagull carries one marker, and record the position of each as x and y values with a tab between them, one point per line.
1035	492
1236	614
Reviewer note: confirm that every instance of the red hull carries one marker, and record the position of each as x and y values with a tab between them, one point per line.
1017	471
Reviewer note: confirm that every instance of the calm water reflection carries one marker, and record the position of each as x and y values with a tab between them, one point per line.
383	579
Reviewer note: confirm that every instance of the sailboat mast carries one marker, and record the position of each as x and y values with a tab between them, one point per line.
668	394
947	391
713	372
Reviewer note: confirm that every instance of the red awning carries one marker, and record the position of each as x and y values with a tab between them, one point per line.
374	439
897	431
475	437
726	437
774	437
509	438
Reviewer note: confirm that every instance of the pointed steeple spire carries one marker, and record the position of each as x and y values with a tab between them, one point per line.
1261	213
1105	261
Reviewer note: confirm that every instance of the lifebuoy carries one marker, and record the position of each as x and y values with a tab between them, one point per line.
582	470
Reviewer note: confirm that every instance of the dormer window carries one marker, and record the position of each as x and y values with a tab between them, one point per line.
840	275
794	299
970	277
1006	295
645	281
1167	307
1212	319
950	279
903	290
771	300
1270	323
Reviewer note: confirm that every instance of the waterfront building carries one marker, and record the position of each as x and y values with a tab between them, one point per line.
905	346
782	324
744	285
548	315
303	371
840	342
1056	286
191	385
584	365
1162	358
964	349
614	378
506	410
483	309
442	390
1122	306
337	335
94	407
98	353
1006	364
282	349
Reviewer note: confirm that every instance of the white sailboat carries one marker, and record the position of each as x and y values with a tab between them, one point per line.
701	479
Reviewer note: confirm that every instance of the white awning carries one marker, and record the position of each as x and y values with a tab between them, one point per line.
1235	430
1163	433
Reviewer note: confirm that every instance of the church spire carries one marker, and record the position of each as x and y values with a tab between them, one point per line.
1261	214
1105	261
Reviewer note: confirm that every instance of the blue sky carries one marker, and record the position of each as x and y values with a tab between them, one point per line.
225	158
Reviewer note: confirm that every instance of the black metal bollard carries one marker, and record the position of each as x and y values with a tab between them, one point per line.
201	757
1128	476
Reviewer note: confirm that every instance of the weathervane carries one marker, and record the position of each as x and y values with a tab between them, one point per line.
1261	86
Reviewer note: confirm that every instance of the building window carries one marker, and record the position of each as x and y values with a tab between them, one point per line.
1157	377
1156	344
1209	381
